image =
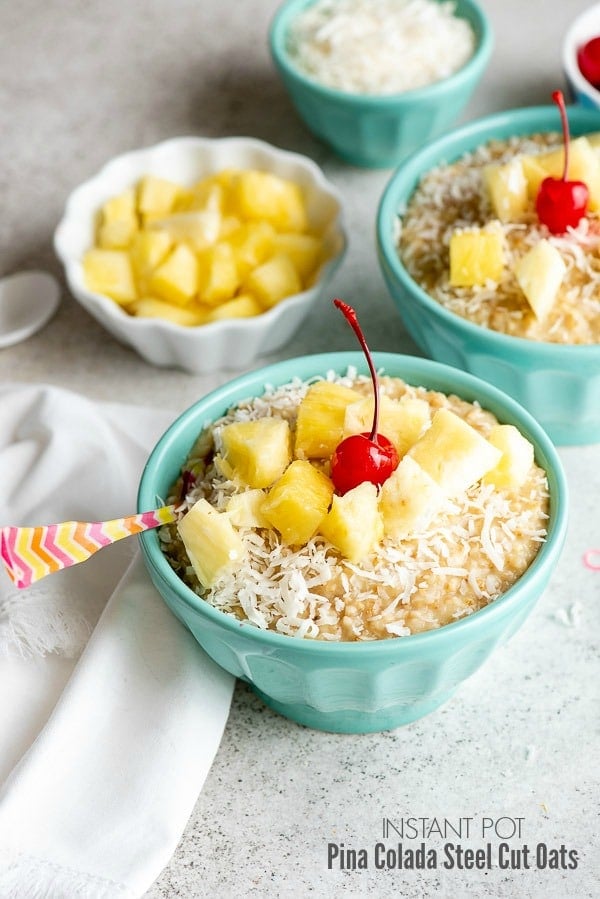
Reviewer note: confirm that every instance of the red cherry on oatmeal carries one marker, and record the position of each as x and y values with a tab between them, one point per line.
362	457
561	204
588	60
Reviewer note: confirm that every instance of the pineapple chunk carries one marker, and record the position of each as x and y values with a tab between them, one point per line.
516	460
453	453
303	251
213	545
298	502
218	277
320	421
409	500
207	194
258	451
176	279
251	243
109	272
401	421
243	306
354	523
539	273
584	165
263	195
199	229
150	307
273	281
118	221
476	256
507	189
156	196
245	509
119	208
147	251
534	173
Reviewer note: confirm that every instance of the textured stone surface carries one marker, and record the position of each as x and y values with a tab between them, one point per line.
82	81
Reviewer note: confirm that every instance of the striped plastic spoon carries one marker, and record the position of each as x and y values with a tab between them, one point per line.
31	553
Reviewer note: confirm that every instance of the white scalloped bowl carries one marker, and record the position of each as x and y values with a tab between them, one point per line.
228	344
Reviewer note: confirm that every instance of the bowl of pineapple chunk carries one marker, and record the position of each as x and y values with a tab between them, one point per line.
362	609
492	278
202	253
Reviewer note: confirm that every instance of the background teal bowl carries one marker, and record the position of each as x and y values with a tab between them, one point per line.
379	131
559	384
350	687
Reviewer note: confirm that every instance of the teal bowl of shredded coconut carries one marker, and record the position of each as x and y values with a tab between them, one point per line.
376	79
282	638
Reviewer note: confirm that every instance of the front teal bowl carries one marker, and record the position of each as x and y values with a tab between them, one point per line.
558	383
379	131
350	687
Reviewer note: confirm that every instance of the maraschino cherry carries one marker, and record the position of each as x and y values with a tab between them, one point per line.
561	204
588	60
362	457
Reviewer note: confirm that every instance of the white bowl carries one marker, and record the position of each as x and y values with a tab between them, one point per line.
227	344
585	27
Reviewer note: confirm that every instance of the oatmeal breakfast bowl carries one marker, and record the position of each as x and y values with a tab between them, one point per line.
354	593
493	258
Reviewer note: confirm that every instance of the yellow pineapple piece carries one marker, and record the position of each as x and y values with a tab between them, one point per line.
147	251
534	173
540	273
199	229
149	307
218	277
207	194
118	221
257	451
265	196
401	421
507	189
176	279
109	272
119	208
476	256
410	499
116	235
303	251
298	502
243	306
273	281
156	196
517	457
245	509
584	165
354	524
593	139
251	243
320	421
213	545
453	453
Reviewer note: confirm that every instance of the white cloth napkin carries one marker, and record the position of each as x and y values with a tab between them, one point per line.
110	757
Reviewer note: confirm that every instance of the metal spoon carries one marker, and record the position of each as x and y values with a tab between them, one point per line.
27	301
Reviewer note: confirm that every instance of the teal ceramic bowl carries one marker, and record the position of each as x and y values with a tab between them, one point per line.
350	687
558	383
379	131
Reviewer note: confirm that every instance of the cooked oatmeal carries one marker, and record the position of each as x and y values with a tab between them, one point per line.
473	550
452	197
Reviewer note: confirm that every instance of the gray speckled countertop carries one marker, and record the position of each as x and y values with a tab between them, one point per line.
82	81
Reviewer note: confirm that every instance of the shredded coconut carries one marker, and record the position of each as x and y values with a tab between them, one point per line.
476	547
380	46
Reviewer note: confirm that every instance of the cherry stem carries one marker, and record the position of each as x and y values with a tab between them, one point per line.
559	99
350	316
